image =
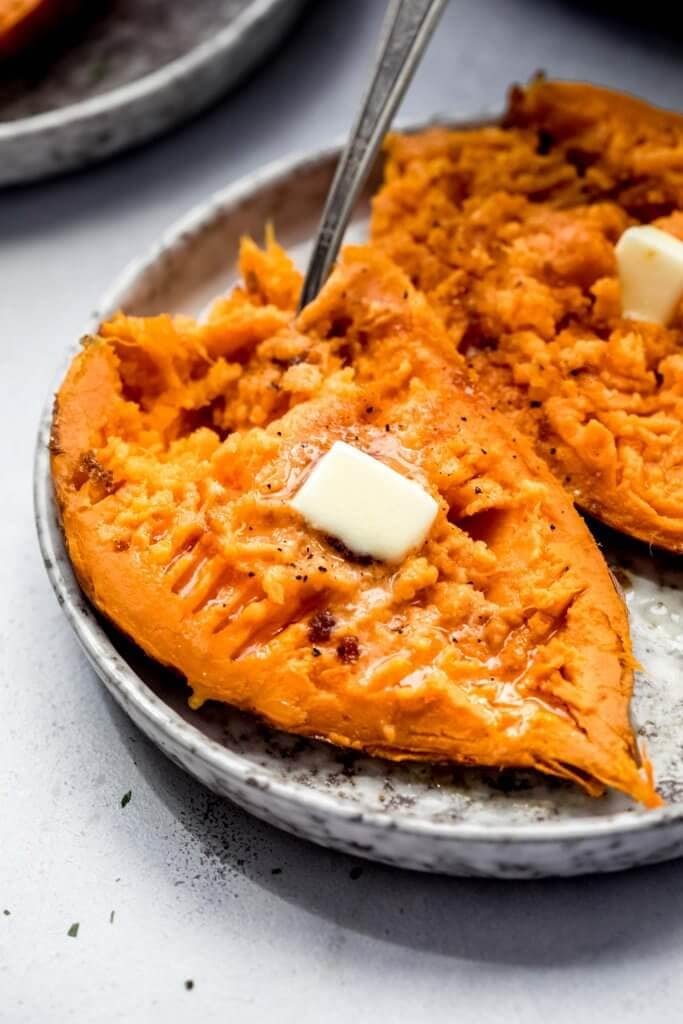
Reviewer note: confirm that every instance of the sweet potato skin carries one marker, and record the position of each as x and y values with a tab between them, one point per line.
510	231
502	642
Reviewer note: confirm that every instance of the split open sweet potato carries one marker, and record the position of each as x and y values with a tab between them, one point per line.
176	449
510	232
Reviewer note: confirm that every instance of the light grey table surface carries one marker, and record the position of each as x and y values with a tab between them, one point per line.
266	926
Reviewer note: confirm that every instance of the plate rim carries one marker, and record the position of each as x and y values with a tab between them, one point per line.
130	687
141	88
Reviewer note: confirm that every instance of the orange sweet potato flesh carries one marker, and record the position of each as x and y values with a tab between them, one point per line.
176	446
510	232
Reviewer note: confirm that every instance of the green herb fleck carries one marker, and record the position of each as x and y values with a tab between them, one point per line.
111	917
73	931
189	984
125	799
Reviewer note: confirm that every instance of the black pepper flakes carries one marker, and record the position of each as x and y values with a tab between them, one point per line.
545	142
348	650
350	556
320	627
316	652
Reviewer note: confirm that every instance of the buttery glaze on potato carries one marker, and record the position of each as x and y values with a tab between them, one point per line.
176	447
510	232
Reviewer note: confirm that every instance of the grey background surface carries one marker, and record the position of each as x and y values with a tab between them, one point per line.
266	926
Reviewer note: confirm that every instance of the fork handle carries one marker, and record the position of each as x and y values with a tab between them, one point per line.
406	30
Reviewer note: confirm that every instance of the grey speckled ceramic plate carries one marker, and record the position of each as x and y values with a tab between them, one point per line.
435	819
136	69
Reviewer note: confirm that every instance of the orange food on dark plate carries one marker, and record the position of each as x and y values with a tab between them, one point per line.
510	232
25	22
176	448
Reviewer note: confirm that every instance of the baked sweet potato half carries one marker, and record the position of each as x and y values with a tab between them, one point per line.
511	232
176	449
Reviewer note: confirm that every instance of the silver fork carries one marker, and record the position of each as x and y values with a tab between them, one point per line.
406	30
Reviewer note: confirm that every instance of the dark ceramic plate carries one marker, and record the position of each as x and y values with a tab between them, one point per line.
134	70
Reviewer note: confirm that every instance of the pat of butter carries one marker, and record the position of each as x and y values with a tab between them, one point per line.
650	263
369	507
